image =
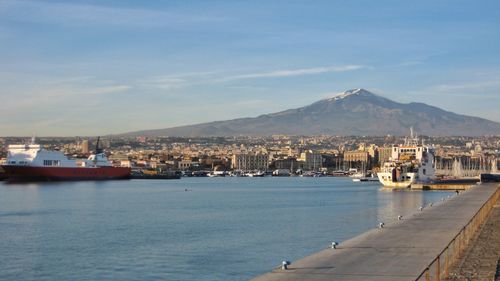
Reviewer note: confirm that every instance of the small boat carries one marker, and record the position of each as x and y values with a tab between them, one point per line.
365	179
216	174
256	174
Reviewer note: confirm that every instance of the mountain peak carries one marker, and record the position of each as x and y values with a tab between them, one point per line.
350	93
353	112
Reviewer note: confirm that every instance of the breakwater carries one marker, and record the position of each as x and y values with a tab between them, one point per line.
420	247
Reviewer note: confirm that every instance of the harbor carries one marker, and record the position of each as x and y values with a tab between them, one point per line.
249	140
419	247
196	228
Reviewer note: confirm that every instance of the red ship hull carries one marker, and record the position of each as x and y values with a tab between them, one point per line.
29	173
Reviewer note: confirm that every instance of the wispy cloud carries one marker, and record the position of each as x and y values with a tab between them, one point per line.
79	85
469	86
176	81
486	89
167	83
105	89
87	14
295	72
65	91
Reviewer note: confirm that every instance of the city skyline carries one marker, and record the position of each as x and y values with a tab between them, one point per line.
104	67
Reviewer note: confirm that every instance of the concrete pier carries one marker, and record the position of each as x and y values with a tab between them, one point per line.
399	251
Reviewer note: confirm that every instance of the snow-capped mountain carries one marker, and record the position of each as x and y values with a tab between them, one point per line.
353	112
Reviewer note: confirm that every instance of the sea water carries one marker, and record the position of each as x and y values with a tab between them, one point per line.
189	229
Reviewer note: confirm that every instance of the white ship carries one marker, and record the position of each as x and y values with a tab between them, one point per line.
409	163
31	162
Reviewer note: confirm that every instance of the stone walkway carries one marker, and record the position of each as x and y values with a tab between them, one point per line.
400	251
480	260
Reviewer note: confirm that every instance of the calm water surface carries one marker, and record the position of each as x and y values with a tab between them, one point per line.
220	229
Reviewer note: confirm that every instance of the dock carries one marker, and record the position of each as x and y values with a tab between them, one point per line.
420	247
451	184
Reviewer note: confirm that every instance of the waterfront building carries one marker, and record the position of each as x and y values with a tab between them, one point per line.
357	159
249	161
184	164
290	164
85	146
373	152
356	156
313	161
384	154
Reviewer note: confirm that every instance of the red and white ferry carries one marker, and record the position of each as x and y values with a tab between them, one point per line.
31	162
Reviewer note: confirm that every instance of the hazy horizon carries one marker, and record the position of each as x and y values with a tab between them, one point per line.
107	67
247	117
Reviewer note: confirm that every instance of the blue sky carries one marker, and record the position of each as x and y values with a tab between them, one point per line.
99	67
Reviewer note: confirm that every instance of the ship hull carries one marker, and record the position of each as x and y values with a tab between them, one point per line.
30	173
2	175
386	180
404	184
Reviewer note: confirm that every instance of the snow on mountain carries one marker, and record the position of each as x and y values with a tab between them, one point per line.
353	112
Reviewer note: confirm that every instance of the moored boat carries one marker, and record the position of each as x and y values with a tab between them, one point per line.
372	177
31	162
256	174
409	163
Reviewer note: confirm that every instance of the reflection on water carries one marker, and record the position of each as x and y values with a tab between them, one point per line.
402	202
220	229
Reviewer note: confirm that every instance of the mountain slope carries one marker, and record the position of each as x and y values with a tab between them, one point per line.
354	112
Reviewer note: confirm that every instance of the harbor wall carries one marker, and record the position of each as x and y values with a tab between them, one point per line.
420	247
420	186
439	268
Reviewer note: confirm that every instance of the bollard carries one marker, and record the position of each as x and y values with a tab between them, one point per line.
284	265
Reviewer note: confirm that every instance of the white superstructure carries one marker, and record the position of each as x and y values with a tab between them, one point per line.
34	155
409	163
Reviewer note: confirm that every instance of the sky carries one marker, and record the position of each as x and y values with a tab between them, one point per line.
84	68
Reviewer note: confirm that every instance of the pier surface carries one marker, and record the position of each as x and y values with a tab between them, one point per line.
399	251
